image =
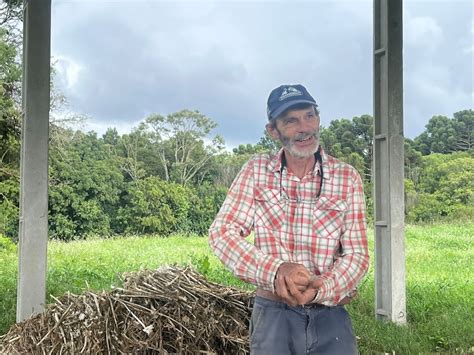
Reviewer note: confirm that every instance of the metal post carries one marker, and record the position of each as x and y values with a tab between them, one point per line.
33	234
390	296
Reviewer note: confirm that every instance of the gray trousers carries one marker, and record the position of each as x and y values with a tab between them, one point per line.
276	328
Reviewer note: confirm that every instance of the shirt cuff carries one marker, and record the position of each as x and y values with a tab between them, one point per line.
326	292
266	273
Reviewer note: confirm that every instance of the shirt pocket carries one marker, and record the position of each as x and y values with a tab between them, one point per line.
269	209
328	217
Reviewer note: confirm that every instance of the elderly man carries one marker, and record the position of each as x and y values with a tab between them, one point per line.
307	212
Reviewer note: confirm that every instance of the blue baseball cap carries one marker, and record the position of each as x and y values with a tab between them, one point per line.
286	96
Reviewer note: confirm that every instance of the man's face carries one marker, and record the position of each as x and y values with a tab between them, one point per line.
298	132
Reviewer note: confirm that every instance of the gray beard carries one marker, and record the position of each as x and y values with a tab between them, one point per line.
289	145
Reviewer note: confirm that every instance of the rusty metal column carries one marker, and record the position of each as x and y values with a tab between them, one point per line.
33	232
390	295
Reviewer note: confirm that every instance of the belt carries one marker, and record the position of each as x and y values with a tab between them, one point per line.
271	296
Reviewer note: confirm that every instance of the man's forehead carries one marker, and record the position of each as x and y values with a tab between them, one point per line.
297	111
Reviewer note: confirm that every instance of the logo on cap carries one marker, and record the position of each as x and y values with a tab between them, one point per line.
289	92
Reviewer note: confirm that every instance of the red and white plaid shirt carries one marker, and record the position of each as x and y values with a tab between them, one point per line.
327	234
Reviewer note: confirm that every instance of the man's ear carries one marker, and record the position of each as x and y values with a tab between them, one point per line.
272	131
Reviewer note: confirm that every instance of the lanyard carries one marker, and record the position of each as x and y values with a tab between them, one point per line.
318	158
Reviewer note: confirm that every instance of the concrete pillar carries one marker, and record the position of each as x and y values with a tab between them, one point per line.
390	297
33	234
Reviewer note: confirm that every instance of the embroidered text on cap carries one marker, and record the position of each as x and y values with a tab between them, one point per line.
289	92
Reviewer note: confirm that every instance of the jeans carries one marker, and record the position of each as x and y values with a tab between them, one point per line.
277	328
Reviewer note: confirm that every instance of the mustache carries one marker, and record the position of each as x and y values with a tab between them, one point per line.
306	135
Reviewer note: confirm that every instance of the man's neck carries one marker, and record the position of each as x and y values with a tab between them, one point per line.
299	166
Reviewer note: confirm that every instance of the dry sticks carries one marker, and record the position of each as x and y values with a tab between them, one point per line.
170	310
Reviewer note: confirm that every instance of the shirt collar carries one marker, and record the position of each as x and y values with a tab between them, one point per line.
275	164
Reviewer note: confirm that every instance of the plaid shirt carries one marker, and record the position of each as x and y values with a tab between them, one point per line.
327	234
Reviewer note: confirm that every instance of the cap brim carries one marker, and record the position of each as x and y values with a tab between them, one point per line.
289	104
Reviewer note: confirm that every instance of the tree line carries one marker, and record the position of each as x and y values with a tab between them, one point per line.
170	174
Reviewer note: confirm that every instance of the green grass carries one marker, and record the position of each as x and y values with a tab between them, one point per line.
440	283
440	289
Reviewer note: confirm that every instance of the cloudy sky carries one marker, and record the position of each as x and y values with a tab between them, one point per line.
119	61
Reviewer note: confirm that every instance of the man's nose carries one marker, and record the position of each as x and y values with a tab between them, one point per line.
306	125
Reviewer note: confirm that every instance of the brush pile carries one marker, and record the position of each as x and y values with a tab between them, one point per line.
170	310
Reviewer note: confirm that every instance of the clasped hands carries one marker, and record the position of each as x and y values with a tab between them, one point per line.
296	286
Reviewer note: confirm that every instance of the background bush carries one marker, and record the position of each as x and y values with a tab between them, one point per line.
152	206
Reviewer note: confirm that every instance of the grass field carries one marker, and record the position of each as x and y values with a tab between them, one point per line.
440	285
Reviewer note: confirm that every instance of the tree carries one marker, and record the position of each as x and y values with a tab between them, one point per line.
329	141
178	140
248	149
10	81
363	129
268	144
450	177
445	135
446	185
440	136
9	202
344	138
152	205
11	14
85	186
127	149
206	200
413	162
226	166
464	126
11	10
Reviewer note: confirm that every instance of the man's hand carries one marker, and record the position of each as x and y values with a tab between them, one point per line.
348	299
316	283
307	295
291	282
296	286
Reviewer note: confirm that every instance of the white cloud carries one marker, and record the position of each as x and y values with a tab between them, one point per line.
470	49
101	127
122	60
423	32
68	71
432	91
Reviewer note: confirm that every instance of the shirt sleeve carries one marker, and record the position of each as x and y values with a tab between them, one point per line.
232	224
352	264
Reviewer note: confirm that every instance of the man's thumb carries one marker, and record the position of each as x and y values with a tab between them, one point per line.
316	282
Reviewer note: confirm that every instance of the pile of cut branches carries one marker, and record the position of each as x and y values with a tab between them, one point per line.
170	310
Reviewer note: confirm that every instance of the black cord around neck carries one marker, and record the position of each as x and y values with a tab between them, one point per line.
318	158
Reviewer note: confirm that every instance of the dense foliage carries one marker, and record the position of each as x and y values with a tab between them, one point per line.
170	175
